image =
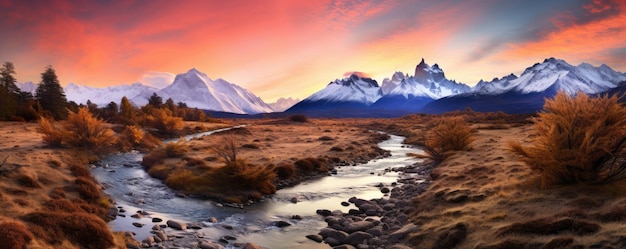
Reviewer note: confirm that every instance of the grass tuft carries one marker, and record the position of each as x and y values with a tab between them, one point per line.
14	235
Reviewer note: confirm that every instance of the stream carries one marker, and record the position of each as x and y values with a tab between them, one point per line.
134	190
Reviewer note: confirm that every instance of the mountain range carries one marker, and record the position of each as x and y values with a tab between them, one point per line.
426	91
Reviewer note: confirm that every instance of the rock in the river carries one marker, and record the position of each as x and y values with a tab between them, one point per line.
315	237
137	224
251	246
384	190
344	247
358	226
161	235
332	233
176	225
324	212
357	238
209	245
156	220
213	220
345	203
294	200
281	223
137	216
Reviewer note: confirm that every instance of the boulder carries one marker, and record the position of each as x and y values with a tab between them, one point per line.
324	212
332	233
209	245
315	237
344	247
402	232
251	246
357	238
358	226
176	225
281	223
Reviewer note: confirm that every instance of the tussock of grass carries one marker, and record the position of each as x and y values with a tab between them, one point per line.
87	189
52	135
85	230
447	134
310	164
578	139
14	235
285	170
27	181
298	118
546	226
164	122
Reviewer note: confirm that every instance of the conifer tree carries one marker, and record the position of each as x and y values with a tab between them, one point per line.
51	95
155	100
126	108
9	92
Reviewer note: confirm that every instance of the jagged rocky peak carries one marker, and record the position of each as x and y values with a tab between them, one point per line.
421	71
356	79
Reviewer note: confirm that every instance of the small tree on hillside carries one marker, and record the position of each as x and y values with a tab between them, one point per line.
155	100
127	109
51	96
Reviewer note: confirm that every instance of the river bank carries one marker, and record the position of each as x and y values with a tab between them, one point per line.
264	223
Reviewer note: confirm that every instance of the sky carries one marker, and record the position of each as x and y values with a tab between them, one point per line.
293	48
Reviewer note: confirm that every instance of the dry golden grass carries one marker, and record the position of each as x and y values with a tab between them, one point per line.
52	135
85	230
164	122
446	135
485	198
86	131
577	140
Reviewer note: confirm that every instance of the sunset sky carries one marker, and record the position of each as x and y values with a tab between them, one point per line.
292	48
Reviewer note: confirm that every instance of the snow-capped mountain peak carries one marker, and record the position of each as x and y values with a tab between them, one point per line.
137	93
198	90
351	89
554	75
428	81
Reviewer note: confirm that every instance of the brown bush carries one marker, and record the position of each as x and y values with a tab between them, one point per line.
181	179
285	170
27	181
250	146
86	131
164	122
130	138
298	118
325	138
239	175
61	205
57	193
579	139
153	158
336	149
176	149
85	230
14	235
159	171
52	135
87	189
310	164
447	134
79	170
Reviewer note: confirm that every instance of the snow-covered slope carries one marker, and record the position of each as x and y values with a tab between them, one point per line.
283	104
527	93
137	93
198	90
351	89
349	93
555	75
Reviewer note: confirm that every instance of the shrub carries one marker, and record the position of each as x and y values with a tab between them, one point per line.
446	135
153	158
310	164
179	179
131	137
86	230
79	170
325	138
578	139
14	235
52	135
84	130
87	189
227	149
299	118
27	181
164	122
336	149
285	170
250	146
176	149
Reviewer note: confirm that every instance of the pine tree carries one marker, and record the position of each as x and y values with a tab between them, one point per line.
155	100
9	92
51	95
127	109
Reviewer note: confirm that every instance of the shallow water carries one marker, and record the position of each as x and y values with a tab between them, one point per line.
133	190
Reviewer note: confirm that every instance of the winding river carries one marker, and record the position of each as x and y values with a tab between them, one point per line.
134	190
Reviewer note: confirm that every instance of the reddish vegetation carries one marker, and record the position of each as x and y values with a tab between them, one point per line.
14	235
86	230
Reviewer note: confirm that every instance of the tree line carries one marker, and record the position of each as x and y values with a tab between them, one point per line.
50	102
